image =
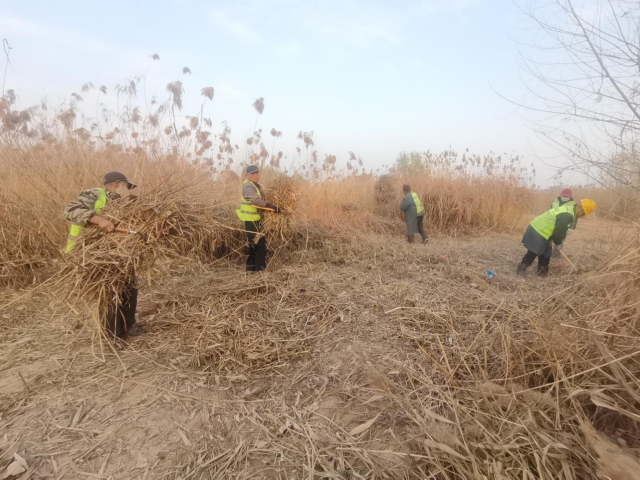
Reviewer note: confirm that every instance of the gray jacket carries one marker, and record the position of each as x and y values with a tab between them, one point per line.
536	243
408	206
250	193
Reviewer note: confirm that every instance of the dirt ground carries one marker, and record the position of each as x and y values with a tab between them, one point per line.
297	373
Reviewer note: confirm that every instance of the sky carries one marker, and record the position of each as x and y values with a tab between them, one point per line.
372	77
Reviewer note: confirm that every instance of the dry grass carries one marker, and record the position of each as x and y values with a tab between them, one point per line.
613	204
40	153
480	204
362	357
34	232
453	204
345	365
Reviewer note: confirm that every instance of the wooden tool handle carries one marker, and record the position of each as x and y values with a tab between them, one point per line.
566	258
121	230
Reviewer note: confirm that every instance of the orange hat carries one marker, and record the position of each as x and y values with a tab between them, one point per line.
588	206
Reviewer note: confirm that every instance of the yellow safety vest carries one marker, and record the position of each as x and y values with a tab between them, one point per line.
556	203
416	199
76	229
545	224
248	212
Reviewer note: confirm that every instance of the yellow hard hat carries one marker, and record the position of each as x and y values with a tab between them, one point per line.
588	206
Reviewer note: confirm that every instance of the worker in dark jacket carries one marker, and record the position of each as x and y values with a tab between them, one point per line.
413	214
566	198
252	203
119	317
550	228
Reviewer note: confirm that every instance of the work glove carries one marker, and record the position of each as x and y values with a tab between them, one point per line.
273	207
556	251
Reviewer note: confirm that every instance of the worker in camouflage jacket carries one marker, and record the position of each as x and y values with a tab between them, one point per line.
119	317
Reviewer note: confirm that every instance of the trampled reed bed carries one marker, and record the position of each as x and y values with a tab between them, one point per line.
522	401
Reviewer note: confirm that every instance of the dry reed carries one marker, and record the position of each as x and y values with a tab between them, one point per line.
283	192
471	380
169	225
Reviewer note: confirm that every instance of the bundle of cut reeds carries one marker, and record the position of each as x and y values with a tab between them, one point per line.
283	192
101	265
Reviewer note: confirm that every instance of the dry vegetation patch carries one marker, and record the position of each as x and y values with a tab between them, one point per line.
354	356
388	364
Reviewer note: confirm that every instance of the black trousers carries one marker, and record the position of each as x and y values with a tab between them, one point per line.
257	258
529	257
421	230
121	316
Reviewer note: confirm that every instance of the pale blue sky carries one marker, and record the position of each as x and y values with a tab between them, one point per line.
373	77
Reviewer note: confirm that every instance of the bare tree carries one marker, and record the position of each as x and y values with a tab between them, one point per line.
582	73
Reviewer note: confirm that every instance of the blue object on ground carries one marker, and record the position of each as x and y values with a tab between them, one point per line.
491	274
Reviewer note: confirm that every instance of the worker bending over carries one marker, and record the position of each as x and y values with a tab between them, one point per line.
119	317
550	228
565	199
252	203
413	214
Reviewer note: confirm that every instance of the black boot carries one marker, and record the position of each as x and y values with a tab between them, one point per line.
134	331
520	271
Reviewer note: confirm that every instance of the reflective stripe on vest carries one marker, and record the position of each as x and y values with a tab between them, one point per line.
76	229
248	212
418	203
545	224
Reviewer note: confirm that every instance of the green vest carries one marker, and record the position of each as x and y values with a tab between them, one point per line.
76	229
545	224
248	212
416	199
556	203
